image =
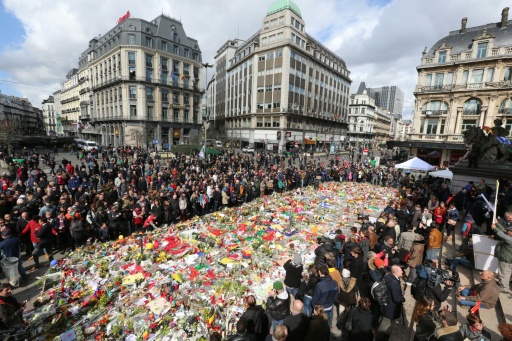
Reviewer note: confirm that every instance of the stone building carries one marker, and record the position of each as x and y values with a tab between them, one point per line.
138	84
369	124
464	80
20	116
50	118
281	88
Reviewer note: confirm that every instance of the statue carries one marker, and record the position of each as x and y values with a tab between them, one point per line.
485	145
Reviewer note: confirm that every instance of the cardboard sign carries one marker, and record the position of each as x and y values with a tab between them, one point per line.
483	248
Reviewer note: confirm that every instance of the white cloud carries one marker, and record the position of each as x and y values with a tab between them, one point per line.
381	45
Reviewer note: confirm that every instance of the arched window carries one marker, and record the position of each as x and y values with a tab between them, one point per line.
505	106
472	106
435	108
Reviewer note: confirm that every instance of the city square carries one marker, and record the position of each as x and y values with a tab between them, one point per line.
290	176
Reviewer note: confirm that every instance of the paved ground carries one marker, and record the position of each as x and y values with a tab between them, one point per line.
29	290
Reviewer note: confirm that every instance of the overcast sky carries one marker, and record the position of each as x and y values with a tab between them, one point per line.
380	40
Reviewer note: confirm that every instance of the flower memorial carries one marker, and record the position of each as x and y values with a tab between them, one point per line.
182	281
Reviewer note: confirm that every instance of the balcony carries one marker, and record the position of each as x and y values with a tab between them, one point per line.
434	112
143	80
69	100
505	111
84	103
83	91
434	88
143	119
471	112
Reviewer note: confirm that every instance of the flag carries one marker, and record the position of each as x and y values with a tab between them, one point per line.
201	153
87	126
79	126
172	75
504	140
182	76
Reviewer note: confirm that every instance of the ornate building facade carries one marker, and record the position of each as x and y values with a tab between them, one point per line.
465	79
138	84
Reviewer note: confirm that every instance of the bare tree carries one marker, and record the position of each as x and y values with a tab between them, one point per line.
10	133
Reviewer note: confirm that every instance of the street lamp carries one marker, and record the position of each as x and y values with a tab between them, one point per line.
206	66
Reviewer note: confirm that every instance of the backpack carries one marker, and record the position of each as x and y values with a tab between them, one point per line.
418	287
380	293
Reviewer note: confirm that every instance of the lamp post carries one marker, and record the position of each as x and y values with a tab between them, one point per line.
206	66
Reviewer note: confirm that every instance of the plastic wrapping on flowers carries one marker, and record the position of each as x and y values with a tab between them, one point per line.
184	281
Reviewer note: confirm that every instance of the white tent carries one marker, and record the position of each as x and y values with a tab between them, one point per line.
445	174
416	164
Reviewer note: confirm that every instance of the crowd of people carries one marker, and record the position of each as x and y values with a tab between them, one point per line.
109	192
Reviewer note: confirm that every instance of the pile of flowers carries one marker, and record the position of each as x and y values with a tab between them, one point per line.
183	281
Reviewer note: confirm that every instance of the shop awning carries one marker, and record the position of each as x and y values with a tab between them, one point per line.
308	141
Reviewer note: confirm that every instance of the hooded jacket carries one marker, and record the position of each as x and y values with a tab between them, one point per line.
450	333
503	250
348	290
326	292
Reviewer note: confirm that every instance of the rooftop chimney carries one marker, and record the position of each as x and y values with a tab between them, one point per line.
504	17
463	25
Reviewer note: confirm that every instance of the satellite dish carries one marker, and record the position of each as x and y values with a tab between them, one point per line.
428	113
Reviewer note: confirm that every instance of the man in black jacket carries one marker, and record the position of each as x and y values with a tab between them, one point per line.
242	333
297	323
45	235
278	304
393	309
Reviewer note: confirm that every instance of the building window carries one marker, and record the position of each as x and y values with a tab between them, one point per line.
279	53
508	74
259	122
264	41
176	97
176	49
176	67
481	51
275	124
164	45
131	58
150	113
490	74
133	111
149	75
268	123
149	61
149	42
149	94
466	124
165	96
187	53
132	73
431	126
176	115
477	76
472	107
133	92
442	57
165	113
131	39
428	79
261	58
186	115
277	105
448	80
465	75
293	21
438	81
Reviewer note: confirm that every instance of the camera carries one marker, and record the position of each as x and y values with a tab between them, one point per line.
449	276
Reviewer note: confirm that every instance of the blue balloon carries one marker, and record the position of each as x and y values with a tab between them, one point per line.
54	262
200	254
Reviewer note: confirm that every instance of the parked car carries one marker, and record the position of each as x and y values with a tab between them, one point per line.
248	150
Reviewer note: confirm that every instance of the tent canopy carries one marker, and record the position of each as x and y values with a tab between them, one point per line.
445	174
208	150
415	164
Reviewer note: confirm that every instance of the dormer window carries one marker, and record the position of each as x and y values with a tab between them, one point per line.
441	57
482	50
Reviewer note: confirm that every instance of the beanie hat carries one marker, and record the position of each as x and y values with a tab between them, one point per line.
278	285
297	259
378	262
345	273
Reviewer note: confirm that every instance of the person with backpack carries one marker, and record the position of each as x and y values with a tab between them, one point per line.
359	323
393	309
453	216
467	230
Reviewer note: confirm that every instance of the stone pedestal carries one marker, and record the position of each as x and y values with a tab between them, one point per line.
489	171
